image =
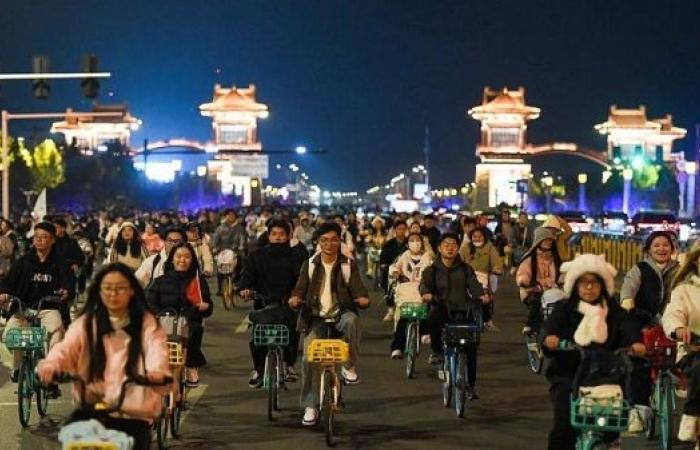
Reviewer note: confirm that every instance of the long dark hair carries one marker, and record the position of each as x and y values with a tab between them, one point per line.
135	246
533	263
96	315
194	268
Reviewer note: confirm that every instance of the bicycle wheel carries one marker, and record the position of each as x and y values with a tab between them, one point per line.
162	430
327	409
227	292
410	349
460	389
271	382
534	353
665	407
24	394
447	383
279	382
176	416
42	400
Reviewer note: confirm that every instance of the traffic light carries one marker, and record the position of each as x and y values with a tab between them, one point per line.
91	86
40	87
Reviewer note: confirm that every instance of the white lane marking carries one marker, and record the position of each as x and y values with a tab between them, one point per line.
243	326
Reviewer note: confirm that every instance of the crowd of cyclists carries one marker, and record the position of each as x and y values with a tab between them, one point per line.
112	274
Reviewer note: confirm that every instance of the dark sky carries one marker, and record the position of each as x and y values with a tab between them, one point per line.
364	78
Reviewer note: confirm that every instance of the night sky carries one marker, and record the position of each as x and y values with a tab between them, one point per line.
364	78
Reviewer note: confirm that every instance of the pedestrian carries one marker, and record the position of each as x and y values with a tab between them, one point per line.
151	239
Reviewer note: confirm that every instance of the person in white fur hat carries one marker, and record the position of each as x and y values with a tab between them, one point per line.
591	319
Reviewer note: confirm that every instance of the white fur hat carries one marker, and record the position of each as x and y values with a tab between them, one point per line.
588	263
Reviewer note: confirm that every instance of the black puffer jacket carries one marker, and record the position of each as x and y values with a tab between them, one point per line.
169	291
623	331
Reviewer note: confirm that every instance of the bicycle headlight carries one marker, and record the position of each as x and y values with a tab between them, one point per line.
602	421
462	341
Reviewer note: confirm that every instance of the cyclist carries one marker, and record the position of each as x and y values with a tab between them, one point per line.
375	241
272	271
392	249
537	272
200	242
483	257
590	318
37	274
152	267
330	286
563	232
183	288
115	338
151	239
522	238
304	232
451	286
415	227
128	247
408	269
682	318
431	231
231	235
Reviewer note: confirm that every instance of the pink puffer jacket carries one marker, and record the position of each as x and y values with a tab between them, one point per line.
71	356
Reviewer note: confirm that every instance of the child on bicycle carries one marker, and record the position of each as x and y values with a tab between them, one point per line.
408	269
115	338
537	272
590	318
682	319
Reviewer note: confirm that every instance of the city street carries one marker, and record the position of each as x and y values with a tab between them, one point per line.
385	411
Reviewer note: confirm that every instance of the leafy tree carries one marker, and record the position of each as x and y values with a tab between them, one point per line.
45	164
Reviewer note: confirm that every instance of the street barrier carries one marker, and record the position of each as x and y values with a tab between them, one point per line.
622	252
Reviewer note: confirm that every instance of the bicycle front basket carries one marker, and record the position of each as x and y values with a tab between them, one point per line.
225	268
457	334
600	414
328	351
270	335
25	338
414	311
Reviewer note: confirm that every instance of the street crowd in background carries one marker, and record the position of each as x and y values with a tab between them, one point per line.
299	267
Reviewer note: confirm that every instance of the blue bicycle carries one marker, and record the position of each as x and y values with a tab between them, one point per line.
459	338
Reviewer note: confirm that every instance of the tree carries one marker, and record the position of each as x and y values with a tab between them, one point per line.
45	164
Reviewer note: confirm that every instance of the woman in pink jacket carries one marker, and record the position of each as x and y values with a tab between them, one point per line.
114	339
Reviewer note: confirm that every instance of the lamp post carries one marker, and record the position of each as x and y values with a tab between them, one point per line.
691	169
627	175
582	180
548	182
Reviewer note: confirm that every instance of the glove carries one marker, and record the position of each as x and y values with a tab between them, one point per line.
628	304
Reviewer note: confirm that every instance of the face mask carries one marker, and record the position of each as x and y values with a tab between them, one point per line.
414	246
478	244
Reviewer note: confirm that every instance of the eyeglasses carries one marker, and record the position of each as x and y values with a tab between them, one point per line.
118	290
588	283
174	241
326	241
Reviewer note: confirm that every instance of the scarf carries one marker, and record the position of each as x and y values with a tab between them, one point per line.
593	327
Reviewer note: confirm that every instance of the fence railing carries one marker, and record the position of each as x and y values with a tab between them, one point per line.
620	251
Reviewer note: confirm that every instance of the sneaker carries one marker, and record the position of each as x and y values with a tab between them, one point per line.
389	315
425	339
14	376
435	359
526	330
255	380
490	326
53	392
310	417
471	393
635	424
350	375
396	354
688	428
291	375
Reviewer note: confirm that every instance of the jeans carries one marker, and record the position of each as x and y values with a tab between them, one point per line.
437	319
692	403
348	325
50	320
534	314
399	341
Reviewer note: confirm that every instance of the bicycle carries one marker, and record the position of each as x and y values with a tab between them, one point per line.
457	336
177	331
329	353
594	416
99	411
535	355
226	265
275	338
31	341
413	313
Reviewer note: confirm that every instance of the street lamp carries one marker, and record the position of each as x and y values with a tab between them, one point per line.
201	171
627	175
547	182
300	150
582	180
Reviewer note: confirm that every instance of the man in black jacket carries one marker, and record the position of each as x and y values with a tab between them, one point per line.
39	273
69	251
431	231
271	272
392	249
451	286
